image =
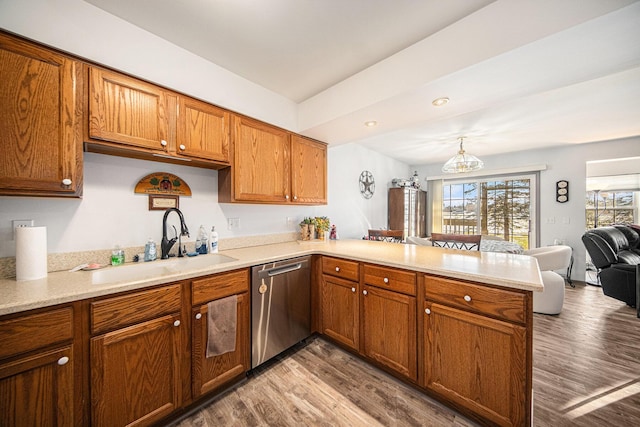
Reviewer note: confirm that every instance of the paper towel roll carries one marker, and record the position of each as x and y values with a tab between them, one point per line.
31	253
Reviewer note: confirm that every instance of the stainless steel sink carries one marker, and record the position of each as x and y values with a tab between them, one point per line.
149	270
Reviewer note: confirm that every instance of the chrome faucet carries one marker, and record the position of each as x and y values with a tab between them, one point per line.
166	244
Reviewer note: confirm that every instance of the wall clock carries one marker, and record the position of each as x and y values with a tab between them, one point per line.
562	191
367	184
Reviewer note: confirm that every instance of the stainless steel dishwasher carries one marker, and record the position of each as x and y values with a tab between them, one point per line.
280	307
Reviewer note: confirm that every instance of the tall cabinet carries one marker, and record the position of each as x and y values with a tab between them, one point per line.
408	211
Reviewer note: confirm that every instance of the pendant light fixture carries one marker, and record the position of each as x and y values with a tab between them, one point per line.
462	162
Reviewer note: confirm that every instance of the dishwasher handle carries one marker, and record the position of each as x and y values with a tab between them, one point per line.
282	269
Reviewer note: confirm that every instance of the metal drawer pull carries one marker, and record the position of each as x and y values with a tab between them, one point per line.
426	310
467	298
176	323
198	316
163	143
338	269
63	360
66	181
385	280
364	292
353	290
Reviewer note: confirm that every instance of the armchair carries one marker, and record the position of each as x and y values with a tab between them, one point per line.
615	252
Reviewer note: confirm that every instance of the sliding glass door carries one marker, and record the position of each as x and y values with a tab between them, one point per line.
503	207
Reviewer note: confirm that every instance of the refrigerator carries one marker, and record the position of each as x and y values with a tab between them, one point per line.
408	211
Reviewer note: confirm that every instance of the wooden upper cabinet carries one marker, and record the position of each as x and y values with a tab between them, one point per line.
308	171
132	118
271	165
203	130
40	121
260	163
127	111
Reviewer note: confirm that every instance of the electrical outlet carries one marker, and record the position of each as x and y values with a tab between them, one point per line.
233	223
20	223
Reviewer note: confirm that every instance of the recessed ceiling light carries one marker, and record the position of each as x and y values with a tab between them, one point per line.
439	102
370	123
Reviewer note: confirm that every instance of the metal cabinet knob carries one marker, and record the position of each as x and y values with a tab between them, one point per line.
199	316
364	292
385	280
63	360
66	181
353	290
427	311
163	143
286	196
338	269
176	323
467	298
295	197
182	147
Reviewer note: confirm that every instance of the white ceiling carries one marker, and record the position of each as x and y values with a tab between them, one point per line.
521	74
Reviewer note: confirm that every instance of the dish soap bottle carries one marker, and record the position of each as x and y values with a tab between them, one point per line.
202	248
150	253
213	239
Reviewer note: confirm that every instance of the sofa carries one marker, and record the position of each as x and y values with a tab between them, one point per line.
615	252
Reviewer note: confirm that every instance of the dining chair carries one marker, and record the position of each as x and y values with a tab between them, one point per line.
395	236
457	241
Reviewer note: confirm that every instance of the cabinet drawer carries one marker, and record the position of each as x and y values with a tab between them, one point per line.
499	303
341	268
117	312
34	331
390	278
221	285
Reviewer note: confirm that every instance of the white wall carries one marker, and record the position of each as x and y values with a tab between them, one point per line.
564	221
84	30
110	213
352	213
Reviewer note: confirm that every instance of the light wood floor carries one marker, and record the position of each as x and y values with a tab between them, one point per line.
586	372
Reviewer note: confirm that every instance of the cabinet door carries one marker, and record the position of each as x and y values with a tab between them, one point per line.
127	111
340	310
38	390
135	373
261	162
40	121
476	362
308	171
213	372
203	130
389	330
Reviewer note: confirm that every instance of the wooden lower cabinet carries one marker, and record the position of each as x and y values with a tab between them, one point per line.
135	373
389	325
38	390
340	310
476	362
212	373
38	367
136	356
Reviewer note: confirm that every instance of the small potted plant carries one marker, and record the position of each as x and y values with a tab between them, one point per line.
306	229
322	226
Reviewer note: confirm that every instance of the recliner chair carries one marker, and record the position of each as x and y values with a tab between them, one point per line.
615	252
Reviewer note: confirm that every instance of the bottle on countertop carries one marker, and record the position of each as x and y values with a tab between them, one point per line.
150	252
213	239
117	256
202	241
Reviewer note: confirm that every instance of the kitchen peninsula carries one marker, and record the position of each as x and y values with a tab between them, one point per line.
445	305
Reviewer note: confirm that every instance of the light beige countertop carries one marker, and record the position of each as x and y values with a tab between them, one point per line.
502	269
